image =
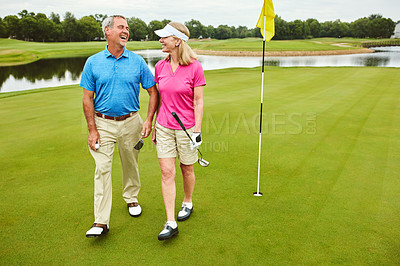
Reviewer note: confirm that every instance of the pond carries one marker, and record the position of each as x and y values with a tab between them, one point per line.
67	71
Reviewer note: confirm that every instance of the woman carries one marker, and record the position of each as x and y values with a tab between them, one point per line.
181	82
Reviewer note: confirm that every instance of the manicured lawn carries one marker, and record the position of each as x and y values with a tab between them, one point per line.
14	52
330	165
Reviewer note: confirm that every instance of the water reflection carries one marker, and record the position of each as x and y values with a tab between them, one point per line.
51	69
57	72
374	61
51	73
383	57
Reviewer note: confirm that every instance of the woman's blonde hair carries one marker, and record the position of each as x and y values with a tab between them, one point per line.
185	54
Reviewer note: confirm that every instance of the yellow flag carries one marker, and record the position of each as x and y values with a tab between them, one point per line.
269	13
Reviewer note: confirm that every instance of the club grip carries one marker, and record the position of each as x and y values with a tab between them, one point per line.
178	119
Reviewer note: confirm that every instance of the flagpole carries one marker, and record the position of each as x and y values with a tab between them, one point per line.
258	193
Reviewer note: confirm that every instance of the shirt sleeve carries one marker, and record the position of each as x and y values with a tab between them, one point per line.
87	79
157	71
147	78
198	78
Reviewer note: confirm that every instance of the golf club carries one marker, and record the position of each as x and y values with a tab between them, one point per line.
201	161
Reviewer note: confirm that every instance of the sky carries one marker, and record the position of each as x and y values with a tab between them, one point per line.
210	12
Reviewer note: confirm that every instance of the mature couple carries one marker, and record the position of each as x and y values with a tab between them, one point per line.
111	80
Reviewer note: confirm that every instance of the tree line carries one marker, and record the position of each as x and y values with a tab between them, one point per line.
38	27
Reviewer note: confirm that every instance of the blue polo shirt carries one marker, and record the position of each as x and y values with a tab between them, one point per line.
116	81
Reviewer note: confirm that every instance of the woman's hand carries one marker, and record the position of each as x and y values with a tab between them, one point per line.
153	136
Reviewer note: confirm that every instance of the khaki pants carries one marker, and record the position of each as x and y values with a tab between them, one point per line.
126	134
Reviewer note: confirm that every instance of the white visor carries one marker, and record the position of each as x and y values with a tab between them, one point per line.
169	31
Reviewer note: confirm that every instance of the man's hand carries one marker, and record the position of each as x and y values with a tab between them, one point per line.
146	129
88	110
196	140
93	138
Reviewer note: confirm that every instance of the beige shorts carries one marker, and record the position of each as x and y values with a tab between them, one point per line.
171	143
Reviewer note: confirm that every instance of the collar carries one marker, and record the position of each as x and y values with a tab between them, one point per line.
108	54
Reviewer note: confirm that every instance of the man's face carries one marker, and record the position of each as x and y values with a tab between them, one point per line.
118	35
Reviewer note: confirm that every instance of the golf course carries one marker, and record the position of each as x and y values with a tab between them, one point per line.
15	52
329	170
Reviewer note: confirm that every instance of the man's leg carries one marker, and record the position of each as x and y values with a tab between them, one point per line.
130	134
102	180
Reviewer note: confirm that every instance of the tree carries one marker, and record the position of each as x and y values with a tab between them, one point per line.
257	33
55	18
43	28
223	32
380	27
325	28
298	29
234	31
138	29
281	29
338	29
100	17
3	29
196	29
154	25
28	26
57	30
70	26
24	13
57	33
165	22
243	32
315	27
345	29
209	32
359	28
12	25
375	26
89	28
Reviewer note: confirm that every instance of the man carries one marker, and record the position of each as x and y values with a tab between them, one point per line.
111	80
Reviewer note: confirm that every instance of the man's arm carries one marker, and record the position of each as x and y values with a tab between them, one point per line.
88	110
153	105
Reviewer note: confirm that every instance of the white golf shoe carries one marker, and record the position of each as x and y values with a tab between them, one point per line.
97	230
170	230
185	212
134	209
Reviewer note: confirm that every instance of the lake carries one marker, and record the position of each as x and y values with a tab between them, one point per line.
67	71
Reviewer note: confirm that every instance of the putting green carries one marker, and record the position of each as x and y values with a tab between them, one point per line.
329	175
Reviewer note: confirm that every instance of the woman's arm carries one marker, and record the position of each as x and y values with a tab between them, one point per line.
198	107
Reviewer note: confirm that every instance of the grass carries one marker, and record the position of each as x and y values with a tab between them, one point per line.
14	52
329	176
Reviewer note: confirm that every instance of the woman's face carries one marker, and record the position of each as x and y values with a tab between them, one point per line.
169	44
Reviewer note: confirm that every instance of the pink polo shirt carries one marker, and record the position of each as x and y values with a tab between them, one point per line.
177	92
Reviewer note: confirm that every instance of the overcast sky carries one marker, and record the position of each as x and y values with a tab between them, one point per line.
210	12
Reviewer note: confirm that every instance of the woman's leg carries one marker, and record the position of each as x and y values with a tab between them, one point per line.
188	181
168	188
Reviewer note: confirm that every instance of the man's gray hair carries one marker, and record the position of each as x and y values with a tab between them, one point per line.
109	22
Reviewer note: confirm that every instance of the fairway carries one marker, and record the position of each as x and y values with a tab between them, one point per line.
329	176
15	52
